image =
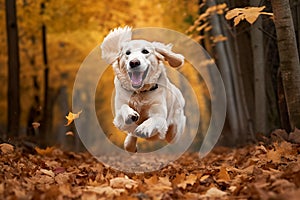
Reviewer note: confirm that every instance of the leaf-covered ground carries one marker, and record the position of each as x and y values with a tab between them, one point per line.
266	170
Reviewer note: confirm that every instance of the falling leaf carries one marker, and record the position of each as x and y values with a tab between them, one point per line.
70	133
6	148
35	125
72	116
47	151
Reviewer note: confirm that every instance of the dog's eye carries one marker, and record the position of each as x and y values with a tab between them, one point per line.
128	52
145	51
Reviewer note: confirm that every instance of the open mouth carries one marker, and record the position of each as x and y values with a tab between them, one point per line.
137	78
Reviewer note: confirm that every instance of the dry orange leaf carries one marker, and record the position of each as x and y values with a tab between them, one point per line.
165	181
158	183
44	152
72	116
203	178
223	174
283	149
152	180
178	179
190	180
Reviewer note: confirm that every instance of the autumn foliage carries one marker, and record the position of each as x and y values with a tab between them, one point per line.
270	169
265	169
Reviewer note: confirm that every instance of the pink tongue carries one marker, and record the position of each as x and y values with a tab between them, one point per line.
137	78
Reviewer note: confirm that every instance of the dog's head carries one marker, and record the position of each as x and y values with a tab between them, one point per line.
137	62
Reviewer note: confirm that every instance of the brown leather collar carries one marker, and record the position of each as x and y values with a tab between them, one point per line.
154	87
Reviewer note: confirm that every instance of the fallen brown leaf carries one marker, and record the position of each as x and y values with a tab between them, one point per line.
223	174
215	193
6	148
105	190
48	172
190	180
295	136
121	182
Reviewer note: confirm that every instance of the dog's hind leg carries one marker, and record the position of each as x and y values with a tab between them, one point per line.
171	133
130	143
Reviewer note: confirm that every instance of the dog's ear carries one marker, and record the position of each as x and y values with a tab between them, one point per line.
111	44
174	59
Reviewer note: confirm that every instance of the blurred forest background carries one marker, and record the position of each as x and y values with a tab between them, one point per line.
54	37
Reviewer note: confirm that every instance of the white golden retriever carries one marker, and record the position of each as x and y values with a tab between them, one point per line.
147	104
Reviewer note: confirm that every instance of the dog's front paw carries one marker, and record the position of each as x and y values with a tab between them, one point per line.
151	127
145	130
132	117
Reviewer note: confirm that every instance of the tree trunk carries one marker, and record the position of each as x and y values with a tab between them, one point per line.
237	114
259	73
289	58
295	7
13	69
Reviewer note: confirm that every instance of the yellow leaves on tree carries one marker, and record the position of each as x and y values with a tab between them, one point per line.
250	14
203	22
72	116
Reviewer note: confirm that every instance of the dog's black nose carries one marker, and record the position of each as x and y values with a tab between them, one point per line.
134	63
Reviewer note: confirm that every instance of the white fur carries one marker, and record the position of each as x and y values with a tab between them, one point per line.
142	111
111	44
